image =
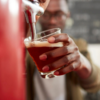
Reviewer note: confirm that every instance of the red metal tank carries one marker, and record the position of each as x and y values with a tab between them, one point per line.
12	68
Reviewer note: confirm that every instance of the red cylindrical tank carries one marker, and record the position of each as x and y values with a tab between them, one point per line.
12	69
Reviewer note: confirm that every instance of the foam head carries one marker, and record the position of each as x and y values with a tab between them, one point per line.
29	44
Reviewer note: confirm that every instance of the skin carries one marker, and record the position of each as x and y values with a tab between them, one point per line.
72	59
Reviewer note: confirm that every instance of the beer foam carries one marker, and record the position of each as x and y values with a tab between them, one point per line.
42	44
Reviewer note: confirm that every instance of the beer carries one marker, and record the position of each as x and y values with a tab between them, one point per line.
39	46
36	48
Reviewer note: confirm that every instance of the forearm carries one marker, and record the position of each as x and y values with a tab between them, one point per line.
92	83
89	77
86	68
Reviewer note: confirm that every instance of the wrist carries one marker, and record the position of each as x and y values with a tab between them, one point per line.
85	69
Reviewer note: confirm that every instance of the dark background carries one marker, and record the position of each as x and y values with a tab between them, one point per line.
85	20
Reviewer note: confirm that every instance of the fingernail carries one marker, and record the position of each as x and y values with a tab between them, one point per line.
56	73
43	57
51	39
45	68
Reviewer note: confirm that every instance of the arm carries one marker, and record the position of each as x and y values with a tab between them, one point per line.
92	83
72	59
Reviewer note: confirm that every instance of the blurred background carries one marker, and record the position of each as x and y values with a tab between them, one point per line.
85	20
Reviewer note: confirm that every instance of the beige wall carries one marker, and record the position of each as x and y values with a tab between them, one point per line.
94	50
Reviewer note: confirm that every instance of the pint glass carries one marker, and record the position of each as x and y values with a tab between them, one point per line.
39	46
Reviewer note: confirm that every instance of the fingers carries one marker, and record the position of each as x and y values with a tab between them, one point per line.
67	55
61	62
60	38
62	50
71	67
57	52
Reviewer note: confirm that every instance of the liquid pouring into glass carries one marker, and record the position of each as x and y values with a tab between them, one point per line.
32	9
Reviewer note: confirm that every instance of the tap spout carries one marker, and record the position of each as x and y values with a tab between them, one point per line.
32	9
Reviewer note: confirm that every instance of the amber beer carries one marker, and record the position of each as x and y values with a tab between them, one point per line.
37	48
40	45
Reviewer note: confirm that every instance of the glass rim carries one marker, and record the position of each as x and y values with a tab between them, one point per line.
58	29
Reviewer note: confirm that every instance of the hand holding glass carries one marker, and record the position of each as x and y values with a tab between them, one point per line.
39	46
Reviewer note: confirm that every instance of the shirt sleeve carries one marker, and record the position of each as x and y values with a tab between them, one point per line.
91	84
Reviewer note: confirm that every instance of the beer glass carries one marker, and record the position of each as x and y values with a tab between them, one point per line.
39	46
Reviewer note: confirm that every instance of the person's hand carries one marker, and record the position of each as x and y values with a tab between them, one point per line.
71	56
71	59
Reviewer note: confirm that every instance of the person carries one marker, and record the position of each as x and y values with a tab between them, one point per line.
79	71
